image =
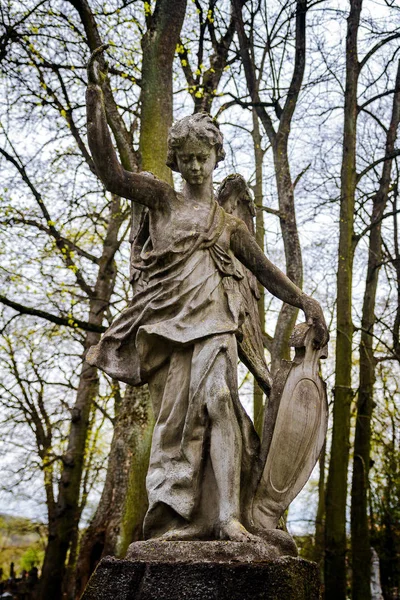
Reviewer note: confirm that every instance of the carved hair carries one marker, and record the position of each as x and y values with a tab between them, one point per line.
201	126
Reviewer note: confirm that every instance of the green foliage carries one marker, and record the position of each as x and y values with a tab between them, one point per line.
306	546
33	557
22	542
385	483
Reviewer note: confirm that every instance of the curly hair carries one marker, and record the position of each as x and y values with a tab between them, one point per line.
200	125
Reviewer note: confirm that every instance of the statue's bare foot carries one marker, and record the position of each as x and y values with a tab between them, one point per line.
233	530
182	534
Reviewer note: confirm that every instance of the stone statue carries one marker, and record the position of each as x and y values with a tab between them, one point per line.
193	264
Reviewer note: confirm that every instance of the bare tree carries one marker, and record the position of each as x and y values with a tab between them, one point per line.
360	536
279	138
335	551
336	494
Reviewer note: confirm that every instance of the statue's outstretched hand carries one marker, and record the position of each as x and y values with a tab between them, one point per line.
315	317
95	74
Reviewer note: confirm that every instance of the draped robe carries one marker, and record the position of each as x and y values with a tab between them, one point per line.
179	335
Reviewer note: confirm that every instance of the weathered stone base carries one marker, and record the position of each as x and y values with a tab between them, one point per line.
285	578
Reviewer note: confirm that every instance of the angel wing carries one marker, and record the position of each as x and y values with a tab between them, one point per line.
235	198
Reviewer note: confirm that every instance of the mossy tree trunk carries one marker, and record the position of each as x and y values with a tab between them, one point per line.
158	47
336	495
119	515
360	533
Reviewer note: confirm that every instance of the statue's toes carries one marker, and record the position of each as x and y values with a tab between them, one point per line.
234	531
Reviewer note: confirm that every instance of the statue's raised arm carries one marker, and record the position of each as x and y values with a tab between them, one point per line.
148	191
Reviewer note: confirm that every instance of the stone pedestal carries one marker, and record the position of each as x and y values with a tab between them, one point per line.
203	571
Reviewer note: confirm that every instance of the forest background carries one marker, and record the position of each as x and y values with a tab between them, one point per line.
307	94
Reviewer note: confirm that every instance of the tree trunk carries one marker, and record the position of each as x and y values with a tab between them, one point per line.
360	535
335	555
65	517
291	242
320	518
287	214
279	141
258	396
121	508
158	46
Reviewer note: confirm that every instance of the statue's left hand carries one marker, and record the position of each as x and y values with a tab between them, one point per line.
95	74
315	317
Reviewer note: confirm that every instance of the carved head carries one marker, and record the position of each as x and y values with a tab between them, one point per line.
200	127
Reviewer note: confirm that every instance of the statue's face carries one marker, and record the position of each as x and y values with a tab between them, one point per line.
196	160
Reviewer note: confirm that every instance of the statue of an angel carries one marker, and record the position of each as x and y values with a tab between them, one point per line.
191	259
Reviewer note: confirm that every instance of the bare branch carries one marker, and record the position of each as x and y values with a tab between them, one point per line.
41	227
62	246
66	321
377	162
249	70
374	49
